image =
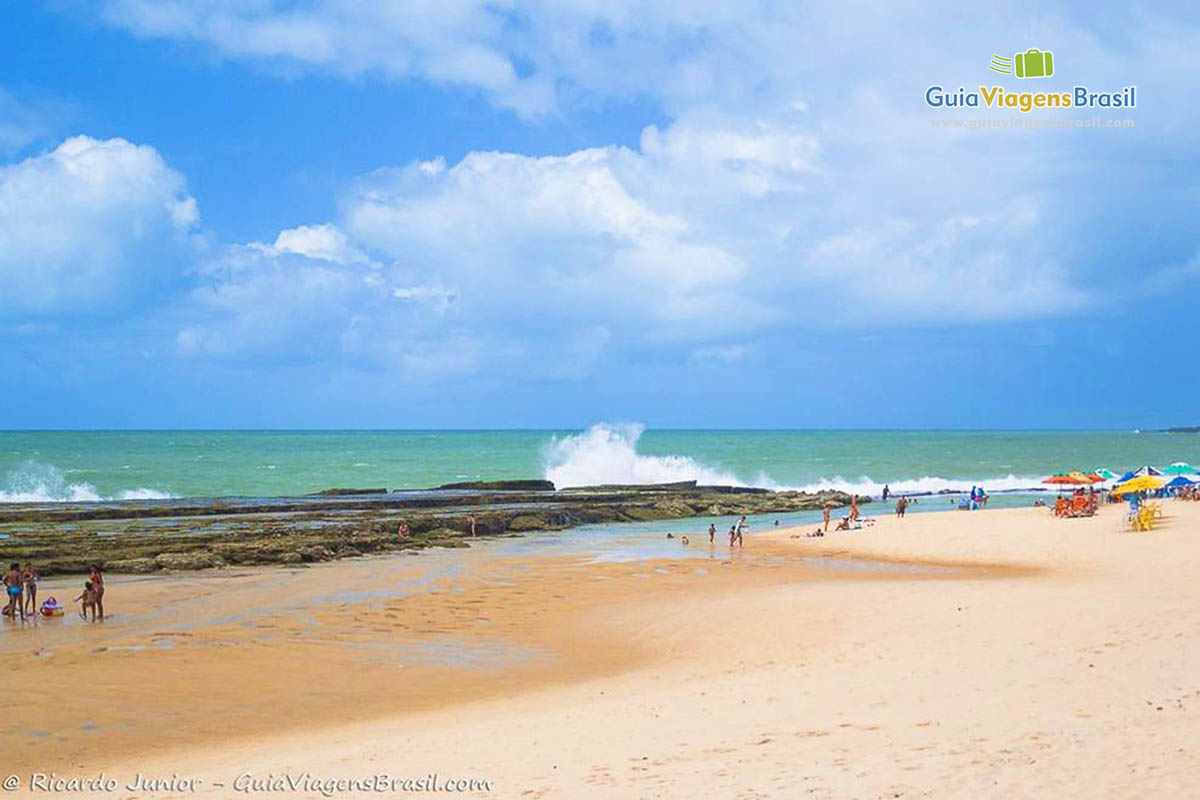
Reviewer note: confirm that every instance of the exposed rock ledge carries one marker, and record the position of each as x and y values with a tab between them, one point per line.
189	534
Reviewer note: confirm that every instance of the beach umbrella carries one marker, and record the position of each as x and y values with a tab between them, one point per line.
1180	468
1182	481
1141	483
1146	470
1106	474
1067	479
1089	477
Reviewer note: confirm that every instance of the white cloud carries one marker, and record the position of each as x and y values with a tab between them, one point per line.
457	43
797	184
572	238
307	297
713	228
90	228
321	242
270	305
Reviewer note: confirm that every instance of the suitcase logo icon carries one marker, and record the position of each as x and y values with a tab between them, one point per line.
1033	63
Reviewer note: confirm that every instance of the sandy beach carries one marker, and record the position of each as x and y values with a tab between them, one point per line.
1003	653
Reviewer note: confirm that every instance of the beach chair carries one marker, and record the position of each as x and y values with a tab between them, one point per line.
1146	518
1078	507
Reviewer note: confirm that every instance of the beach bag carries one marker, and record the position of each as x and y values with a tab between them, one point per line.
51	608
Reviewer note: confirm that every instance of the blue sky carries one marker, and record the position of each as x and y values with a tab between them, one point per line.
463	214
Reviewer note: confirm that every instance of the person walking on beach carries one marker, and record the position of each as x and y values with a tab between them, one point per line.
825	513
471	522
733	534
29	578
97	580
712	532
12	590
901	506
853	508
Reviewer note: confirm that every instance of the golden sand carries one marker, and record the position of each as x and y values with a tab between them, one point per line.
1000	653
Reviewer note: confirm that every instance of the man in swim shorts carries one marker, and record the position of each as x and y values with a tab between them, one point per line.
12	589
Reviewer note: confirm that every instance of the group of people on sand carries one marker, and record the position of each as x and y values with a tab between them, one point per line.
1082	503
846	522
21	591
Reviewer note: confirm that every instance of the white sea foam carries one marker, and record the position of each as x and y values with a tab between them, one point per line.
142	493
33	482
607	454
929	484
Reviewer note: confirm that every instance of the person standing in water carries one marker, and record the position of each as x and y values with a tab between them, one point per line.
97	580
12	590
29	578
886	492
712	532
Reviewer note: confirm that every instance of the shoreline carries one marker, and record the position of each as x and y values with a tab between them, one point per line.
451	633
933	647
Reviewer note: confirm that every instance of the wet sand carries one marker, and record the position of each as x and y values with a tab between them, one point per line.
989	654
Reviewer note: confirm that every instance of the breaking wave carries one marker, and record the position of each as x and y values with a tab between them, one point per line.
607	453
930	484
44	483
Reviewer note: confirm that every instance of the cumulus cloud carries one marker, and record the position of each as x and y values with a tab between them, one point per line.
714	227
91	228
795	184
312	297
307	297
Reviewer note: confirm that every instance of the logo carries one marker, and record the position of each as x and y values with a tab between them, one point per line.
1033	63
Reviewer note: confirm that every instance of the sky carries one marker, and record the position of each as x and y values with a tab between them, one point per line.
549	214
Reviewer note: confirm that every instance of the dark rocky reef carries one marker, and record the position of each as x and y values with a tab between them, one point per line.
503	486
200	533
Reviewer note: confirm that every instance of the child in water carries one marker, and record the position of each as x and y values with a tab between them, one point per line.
88	597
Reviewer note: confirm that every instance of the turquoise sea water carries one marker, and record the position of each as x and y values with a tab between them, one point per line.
63	465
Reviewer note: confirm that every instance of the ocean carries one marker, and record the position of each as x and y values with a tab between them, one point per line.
39	466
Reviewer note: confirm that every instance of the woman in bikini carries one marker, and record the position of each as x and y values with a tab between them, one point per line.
29	578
